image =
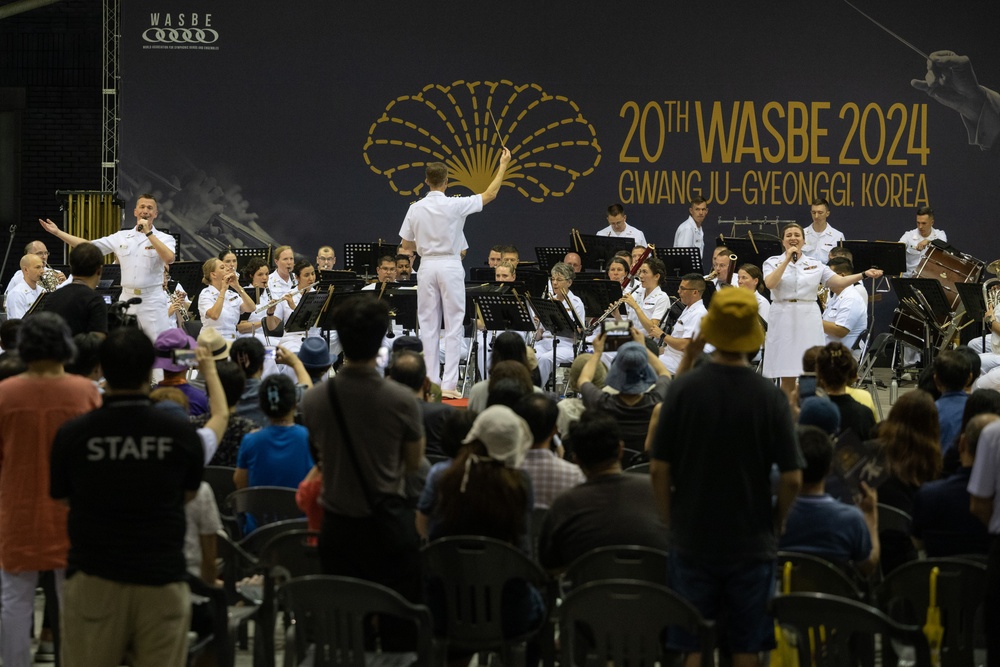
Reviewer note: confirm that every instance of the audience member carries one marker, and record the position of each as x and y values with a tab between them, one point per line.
952	374
237	426
984	483
942	522
175	374
980	401
550	474
315	357
835	367
571	407
202	523
33	537
454	429
277	455
911	440
88	360
608	509
409	369
820	525
508	346
641	380
126	471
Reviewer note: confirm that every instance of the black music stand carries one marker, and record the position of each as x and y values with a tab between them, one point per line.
40	304
549	255
337	296
403	303
597	295
680	261
188	274
340	279
752	252
889	257
971	295
553	318
925	298
362	258
244	255
599	249
482	274
536	282
501	312
112	272
307	313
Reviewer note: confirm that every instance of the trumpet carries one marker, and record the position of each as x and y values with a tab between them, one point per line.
274	302
607	313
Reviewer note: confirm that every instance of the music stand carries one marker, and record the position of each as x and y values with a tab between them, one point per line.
536	282
342	279
553	318
680	261
599	249
549	255
188	274
482	274
337	297
39	305
403	302
889	257
971	295
752	252
925	299
501	312
112	272
244	255
308	311
597	295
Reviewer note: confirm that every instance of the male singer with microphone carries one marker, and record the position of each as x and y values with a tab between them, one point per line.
143	253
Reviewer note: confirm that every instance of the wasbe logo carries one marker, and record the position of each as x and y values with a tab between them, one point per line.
183	28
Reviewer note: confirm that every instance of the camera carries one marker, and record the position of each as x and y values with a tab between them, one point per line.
616	333
187	358
269	352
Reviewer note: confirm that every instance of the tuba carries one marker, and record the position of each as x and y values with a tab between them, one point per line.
991	297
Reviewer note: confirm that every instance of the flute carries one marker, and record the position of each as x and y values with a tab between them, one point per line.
274	302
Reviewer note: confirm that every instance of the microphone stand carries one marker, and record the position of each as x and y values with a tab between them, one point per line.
6	255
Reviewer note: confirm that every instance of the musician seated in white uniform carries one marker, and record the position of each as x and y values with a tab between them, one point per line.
689	233
688	324
918	239
750	278
846	315
179	304
722	262
385	274
305	277
21	298
618	227
647	305
990	359
223	299
841	251
282	280
504	272
821	238
37	248
562	276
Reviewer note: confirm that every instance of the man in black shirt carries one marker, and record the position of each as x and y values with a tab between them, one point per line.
83	309
126	470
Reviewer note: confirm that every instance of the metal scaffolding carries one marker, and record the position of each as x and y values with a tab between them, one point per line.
110	89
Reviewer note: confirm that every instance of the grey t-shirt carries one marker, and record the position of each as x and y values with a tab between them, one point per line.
382	415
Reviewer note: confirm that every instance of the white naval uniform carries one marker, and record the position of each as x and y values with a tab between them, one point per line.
228	318
20	299
654	305
819	244
794	324
292	341
914	256
848	310
564	350
690	235
629	232
279	286
270	367
142	276
436	225
688	325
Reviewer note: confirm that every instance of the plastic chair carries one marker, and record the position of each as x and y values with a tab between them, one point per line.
537	518
292	553
844	622
812	574
220	478
330	613
618	562
226	622
266	504
255	542
236	564
639	468
621	621
472	571
961	588
893	519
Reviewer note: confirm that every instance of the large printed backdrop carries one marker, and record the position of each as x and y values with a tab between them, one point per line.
309	122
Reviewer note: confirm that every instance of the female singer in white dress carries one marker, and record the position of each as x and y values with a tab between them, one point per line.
218	305
794	322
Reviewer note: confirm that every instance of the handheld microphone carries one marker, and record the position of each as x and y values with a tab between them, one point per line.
795	257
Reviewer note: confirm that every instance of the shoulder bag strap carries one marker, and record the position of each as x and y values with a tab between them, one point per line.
349	444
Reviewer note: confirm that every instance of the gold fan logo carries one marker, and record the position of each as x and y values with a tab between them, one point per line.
551	143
